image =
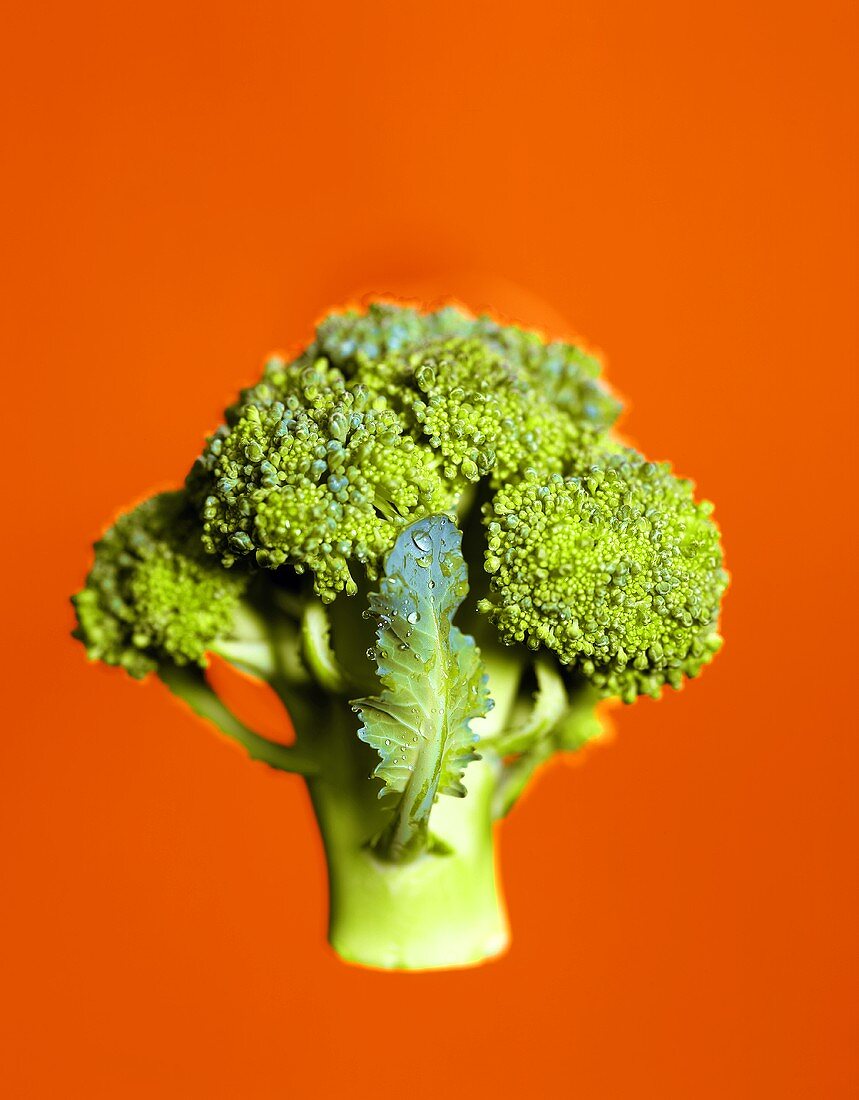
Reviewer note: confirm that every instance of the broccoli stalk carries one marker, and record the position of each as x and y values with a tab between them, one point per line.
439	907
423	535
441	910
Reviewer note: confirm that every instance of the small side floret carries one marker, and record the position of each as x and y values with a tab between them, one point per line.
153	594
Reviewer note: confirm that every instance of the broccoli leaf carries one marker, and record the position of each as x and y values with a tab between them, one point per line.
433	681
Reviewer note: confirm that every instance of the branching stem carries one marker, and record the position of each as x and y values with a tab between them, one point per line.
190	685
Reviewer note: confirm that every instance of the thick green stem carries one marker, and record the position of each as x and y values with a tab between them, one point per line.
442	909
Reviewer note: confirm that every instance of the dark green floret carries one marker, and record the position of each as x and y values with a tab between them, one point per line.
352	339
563	373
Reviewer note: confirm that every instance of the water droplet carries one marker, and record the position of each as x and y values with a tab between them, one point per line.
371	653
413	617
422	540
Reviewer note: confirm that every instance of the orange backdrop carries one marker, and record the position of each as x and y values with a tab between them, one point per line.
189	185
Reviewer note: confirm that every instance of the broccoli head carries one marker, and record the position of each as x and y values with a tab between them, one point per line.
425	520
321	464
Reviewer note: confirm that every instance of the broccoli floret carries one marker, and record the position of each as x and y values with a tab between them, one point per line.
155	601
617	570
352	339
425	520
316	474
562	373
478	411
153	594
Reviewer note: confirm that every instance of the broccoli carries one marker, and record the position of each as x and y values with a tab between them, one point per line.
425	535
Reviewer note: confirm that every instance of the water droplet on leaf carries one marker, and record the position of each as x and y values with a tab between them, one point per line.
422	540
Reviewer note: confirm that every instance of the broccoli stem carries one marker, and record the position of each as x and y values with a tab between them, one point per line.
516	776
189	684
564	728
442	909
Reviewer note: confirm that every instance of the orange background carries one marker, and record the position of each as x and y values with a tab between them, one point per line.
189	185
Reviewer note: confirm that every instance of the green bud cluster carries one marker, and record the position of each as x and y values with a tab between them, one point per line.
617	570
391	416
153	593
563	373
316	474
385	419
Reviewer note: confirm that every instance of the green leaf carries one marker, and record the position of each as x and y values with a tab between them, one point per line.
433	682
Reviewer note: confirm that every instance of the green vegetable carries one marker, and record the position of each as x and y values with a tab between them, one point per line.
424	536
